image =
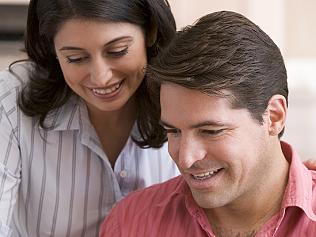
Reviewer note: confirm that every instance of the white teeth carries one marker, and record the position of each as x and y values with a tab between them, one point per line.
106	91
205	175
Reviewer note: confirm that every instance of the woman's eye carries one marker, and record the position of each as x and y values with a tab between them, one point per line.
118	53
76	59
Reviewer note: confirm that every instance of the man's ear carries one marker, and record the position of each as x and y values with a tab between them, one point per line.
277	110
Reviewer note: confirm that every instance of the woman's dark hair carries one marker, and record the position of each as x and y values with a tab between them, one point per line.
47	90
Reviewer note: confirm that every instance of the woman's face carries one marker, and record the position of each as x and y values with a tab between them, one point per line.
102	62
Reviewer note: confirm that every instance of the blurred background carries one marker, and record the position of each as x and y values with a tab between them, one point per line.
290	23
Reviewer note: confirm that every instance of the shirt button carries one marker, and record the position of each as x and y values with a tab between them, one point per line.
123	173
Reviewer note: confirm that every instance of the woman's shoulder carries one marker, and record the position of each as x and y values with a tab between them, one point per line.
13	77
11	81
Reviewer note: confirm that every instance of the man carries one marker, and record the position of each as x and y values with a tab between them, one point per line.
223	96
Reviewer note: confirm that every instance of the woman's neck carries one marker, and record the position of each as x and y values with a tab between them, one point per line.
108	119
113	128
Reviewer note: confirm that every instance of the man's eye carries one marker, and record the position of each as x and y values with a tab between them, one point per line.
76	59
118	53
173	131
212	132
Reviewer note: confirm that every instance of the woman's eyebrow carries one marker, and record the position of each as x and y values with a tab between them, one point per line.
108	43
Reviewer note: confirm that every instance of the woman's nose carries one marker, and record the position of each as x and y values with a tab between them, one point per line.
100	72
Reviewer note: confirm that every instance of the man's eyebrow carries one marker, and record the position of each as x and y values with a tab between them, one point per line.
207	123
108	43
198	125
165	124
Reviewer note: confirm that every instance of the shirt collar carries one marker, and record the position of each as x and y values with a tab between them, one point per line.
74	116
298	192
68	116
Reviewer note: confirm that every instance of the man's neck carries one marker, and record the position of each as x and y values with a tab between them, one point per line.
245	216
220	232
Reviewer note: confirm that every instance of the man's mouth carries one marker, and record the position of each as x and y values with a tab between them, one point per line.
206	175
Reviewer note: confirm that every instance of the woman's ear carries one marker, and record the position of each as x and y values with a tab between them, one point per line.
277	110
151	34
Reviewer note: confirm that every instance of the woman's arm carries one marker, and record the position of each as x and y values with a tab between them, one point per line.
9	159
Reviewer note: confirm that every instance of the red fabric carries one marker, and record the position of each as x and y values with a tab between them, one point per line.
168	209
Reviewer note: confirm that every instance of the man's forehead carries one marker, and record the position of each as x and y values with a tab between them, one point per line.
192	108
168	91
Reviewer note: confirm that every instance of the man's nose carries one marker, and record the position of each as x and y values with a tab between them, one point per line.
190	151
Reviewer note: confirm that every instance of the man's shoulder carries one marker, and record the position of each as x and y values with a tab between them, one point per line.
154	204
313	174
158	194
160	190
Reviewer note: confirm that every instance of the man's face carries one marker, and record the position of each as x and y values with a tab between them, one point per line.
221	152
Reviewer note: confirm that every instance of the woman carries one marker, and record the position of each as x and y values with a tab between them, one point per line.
75	120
